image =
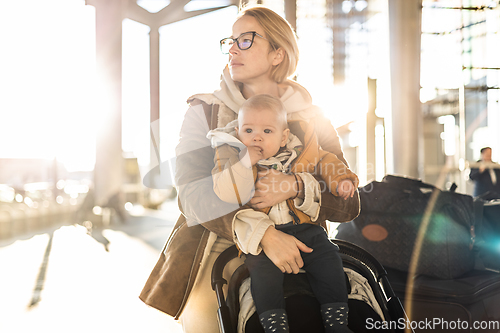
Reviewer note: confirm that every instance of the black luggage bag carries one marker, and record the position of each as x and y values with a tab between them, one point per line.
457	297
487	216
393	212
470	303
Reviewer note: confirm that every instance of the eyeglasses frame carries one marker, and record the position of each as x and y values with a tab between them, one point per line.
238	42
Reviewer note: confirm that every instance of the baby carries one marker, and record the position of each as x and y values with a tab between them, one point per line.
261	138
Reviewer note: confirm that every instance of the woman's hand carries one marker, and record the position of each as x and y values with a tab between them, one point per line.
283	250
273	187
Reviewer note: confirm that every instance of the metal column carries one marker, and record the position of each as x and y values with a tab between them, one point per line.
291	13
405	31
108	172
154	79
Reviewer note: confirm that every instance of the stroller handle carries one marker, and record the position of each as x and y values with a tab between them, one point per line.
228	254
362	255
225	322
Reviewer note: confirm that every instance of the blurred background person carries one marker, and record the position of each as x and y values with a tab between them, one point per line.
486	175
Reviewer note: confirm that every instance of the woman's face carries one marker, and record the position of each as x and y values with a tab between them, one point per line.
254	64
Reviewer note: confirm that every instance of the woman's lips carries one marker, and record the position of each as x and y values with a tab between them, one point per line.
236	64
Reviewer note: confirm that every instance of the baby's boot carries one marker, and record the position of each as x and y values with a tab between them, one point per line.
335	317
274	321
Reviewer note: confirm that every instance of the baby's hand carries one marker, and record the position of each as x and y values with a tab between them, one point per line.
255	154
346	189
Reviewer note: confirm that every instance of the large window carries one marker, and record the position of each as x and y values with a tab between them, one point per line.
47	75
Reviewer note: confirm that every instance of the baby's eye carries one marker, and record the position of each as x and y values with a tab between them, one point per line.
248	130
267	131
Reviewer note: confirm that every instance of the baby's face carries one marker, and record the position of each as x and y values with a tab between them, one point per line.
262	129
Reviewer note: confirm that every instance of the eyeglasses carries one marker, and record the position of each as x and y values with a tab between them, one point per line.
244	41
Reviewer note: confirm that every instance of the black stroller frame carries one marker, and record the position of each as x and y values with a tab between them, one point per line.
353	257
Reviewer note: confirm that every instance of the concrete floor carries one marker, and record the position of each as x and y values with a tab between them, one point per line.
84	287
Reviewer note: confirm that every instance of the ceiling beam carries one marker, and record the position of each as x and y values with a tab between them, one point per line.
173	12
182	15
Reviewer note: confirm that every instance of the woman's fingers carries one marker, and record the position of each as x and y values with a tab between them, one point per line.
283	250
262	173
302	247
271	188
290	268
256	201
287	268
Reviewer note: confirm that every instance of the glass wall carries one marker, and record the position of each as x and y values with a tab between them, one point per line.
460	80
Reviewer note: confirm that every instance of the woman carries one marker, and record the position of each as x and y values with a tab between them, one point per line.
263	53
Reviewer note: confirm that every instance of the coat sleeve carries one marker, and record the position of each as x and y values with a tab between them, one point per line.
333	171
193	174
233	178
249	228
334	208
311	204
328	137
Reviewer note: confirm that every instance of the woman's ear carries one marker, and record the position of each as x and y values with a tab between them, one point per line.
278	56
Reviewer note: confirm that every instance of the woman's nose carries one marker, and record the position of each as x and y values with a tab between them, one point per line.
234	48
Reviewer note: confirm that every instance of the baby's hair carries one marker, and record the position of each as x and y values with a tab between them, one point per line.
267	102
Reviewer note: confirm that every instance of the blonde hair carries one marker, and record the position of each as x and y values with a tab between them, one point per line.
280	35
266	102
